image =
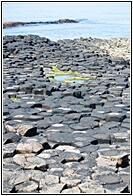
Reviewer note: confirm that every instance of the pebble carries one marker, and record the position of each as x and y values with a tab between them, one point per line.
66	137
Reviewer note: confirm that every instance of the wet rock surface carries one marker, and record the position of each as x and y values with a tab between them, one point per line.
66	137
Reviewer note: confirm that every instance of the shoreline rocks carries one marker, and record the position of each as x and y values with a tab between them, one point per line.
66	137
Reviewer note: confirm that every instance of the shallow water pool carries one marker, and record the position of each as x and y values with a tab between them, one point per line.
62	77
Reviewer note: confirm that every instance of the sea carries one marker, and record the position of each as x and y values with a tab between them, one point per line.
95	19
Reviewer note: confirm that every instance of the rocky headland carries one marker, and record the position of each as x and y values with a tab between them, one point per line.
8	24
61	137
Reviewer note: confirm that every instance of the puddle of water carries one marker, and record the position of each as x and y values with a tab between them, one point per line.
65	77
62	78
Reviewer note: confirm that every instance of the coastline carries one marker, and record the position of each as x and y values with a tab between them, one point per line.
9	24
66	137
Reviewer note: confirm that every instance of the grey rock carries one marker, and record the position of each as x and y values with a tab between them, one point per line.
8	188
79	126
27	187
102	138
13	106
125	178
91	187
36	175
33	117
38	140
83	142
49	180
31	162
125	125
11	138
43	124
70	181
36	163
19	159
69	156
119	137
89	149
72	190
9	150
56	188
18	178
116	188
115	116
77	131
11	167
22	129
10	128
7	175
60	138
30	146
108	178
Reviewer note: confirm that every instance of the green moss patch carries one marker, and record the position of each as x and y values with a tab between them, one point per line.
13	99
68	76
59	72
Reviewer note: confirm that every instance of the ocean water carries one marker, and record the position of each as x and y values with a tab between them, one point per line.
96	19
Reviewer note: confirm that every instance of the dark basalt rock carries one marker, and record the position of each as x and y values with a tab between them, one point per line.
77	94
60	138
102	138
77	134
11	138
118	117
9	150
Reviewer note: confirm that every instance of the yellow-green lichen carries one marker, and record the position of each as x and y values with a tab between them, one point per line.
72	76
56	71
13	99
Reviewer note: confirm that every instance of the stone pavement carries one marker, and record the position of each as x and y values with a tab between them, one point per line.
66	138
